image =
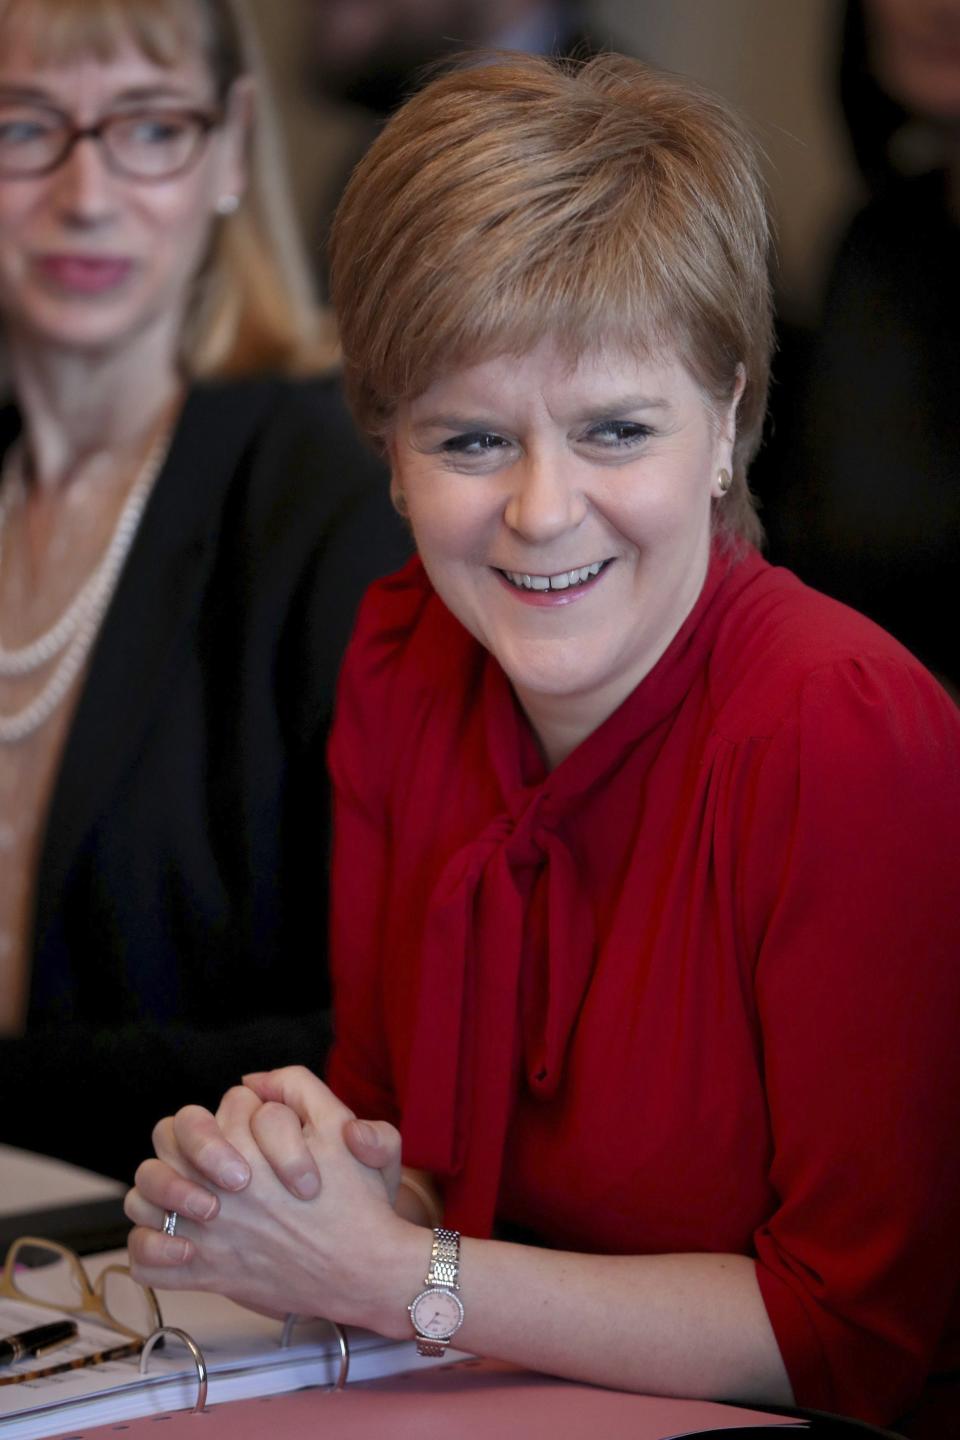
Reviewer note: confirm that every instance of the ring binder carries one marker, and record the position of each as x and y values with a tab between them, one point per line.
241	1358
195	1352
342	1341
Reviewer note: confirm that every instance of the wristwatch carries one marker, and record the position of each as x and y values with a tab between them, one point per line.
437	1312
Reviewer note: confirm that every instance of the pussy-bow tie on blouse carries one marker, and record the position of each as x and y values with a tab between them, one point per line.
509	944
469	1040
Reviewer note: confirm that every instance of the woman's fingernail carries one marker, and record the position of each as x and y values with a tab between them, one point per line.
233	1175
201	1207
307	1185
367	1133
178	1255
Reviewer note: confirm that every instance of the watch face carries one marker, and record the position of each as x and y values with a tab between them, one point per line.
436	1313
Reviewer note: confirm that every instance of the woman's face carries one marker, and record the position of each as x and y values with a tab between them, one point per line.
90	259
563	515
916	53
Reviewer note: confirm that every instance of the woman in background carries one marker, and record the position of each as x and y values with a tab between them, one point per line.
645	910
863	466
185	530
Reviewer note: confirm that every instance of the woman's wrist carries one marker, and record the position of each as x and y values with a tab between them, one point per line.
394	1277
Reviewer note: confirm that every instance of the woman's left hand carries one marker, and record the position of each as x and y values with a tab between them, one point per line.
344	1254
217	1166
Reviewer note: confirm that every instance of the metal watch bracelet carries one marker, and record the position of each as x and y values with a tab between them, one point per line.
442	1282
445	1259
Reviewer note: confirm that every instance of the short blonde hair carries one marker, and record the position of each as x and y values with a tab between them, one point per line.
601	203
253	306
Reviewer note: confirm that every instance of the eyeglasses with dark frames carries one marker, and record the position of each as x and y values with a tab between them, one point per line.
148	145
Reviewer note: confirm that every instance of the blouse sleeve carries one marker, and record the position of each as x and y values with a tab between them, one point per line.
360	767
858	988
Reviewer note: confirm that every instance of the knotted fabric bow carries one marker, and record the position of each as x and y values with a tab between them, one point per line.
474	1037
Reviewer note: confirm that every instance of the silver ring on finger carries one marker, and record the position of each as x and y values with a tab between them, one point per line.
169	1226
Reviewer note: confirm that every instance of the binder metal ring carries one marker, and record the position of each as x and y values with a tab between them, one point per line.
285	1340
195	1352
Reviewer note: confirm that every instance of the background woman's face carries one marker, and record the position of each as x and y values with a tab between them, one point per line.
915	47
563	514
88	258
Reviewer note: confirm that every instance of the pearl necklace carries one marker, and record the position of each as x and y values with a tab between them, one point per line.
72	635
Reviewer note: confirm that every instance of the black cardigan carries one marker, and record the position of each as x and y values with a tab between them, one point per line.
181	917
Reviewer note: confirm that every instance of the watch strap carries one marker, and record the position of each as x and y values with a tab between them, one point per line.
431	1349
445	1259
444	1272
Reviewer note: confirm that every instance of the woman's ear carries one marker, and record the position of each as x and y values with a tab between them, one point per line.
739	385
236	137
728	419
391	450
398	499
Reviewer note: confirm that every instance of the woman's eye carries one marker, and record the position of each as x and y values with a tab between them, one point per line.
155	131
22	132
478	442
617	434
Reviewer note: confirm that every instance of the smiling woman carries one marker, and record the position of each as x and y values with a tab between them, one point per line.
186	524
563	514
645	927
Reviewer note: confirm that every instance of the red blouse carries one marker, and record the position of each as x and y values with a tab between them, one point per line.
697	988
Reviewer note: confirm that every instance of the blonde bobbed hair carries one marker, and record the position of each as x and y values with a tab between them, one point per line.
601	203
253	306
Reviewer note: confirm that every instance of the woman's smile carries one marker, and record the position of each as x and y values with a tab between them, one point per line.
559	588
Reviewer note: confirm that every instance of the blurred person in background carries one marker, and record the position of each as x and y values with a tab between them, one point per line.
862	474
371	52
365	57
187	522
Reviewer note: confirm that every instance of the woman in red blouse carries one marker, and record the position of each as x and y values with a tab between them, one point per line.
646	929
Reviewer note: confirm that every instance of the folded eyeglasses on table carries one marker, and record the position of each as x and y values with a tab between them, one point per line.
47	1274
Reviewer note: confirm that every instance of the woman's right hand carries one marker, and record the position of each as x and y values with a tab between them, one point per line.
197	1136
345	1253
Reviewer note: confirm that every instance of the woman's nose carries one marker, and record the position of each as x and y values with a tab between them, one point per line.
85	189
545	499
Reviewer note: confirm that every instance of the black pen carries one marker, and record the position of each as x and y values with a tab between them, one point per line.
37	1341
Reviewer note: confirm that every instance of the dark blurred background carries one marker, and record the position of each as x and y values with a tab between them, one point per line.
338	61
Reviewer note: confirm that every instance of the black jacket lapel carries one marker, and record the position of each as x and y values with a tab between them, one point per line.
150	620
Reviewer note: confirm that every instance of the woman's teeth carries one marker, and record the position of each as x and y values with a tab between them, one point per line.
563	581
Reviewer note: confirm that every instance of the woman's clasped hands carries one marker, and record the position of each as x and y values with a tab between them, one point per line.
284	1202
